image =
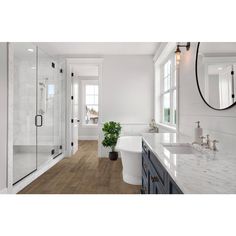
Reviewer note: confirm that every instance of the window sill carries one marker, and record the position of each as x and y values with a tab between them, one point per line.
166	126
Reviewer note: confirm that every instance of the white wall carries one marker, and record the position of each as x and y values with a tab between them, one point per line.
3	116
127	93
221	125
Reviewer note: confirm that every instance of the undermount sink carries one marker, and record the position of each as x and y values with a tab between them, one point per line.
180	148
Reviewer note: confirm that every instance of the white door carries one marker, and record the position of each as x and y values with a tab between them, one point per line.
75	113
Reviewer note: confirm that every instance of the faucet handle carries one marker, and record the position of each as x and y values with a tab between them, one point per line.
214	148
208	142
202	140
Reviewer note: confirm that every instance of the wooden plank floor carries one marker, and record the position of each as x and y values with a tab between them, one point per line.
83	173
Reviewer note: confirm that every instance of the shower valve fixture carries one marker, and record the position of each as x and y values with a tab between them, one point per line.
178	51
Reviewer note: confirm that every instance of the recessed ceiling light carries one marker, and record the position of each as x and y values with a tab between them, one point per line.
30	50
220	68
33	67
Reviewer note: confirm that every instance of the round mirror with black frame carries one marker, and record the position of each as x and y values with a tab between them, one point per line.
215	69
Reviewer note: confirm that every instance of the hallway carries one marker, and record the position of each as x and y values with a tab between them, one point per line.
83	173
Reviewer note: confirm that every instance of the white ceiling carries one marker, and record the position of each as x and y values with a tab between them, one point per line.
72	48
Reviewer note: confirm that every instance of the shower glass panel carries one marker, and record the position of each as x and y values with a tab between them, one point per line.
24	110
57	83
45	108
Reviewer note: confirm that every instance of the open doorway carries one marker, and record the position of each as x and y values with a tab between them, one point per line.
85	75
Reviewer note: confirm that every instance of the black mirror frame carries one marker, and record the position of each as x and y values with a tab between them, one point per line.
196	63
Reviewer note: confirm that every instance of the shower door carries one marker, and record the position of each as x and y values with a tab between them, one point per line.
24	110
37	113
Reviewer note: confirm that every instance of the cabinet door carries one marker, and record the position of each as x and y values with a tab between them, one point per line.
145	186
145	173
173	188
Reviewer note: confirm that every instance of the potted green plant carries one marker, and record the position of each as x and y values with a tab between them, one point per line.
111	131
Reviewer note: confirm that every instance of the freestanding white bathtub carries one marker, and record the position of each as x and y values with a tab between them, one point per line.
130	148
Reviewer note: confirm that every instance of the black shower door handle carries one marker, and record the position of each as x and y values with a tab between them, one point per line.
36	121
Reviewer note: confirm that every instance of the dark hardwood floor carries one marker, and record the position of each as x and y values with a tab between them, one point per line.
83	173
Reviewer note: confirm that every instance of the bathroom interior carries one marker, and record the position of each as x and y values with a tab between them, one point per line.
171	103
117	117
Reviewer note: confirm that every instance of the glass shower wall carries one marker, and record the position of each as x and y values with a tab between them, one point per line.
45	107
38	90
24	110
57	84
49	135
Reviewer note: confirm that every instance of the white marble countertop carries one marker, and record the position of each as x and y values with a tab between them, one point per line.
194	174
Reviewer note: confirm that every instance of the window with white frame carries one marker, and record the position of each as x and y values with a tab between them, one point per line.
168	91
90	106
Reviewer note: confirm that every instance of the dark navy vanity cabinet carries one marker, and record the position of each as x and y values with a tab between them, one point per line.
155	179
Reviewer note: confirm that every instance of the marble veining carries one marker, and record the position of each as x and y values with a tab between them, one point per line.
215	173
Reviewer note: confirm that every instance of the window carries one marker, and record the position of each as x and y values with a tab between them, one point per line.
91	103
168	92
51	90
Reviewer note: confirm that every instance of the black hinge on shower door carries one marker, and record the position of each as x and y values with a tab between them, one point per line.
72	97
60	147
53	152
72	120
61	71
72	144
53	65
72	74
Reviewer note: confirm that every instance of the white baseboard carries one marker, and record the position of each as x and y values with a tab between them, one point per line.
22	184
88	137
3	191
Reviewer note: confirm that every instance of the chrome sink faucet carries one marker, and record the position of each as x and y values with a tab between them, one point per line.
208	142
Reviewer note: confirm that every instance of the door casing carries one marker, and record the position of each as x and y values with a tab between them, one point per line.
69	64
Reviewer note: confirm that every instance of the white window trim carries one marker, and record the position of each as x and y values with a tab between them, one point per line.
161	56
170	91
84	83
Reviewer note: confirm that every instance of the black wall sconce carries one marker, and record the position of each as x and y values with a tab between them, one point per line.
178	51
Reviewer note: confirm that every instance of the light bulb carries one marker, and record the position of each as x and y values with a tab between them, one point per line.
177	57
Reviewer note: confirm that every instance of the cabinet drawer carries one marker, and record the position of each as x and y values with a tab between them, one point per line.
156	185
160	171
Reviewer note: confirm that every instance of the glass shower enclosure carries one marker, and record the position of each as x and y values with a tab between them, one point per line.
37	110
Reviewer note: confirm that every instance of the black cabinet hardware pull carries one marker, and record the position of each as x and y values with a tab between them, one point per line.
154	178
